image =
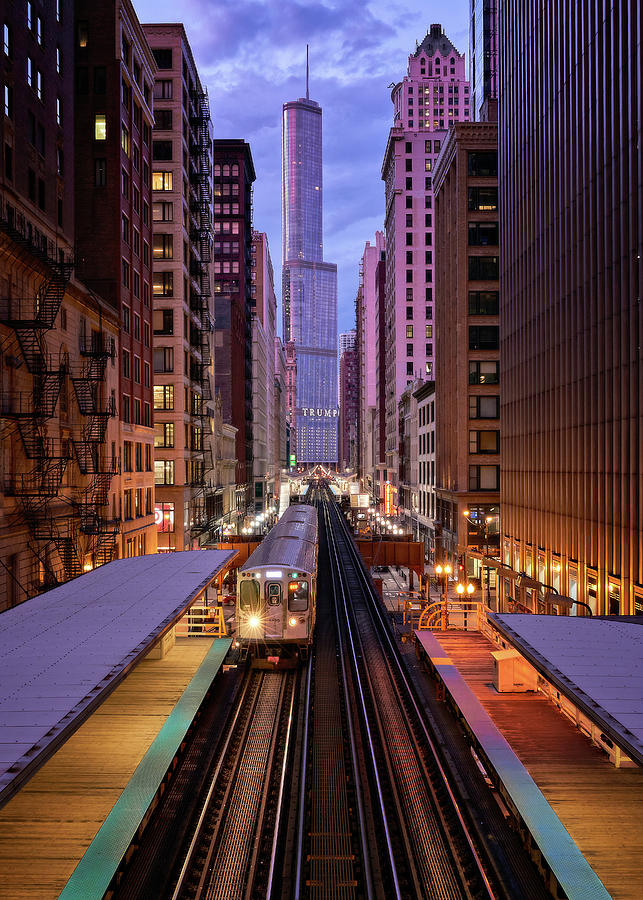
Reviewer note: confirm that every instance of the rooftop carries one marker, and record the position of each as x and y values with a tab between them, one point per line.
62	652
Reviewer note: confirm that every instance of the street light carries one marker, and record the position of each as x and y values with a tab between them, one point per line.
483	528
461	588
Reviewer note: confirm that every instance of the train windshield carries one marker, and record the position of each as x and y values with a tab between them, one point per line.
248	595
298	596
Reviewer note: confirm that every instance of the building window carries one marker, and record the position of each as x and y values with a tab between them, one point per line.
163	119
484	478
163	284
100	127
484	337
163	471
483	303
483	199
483	163
138	456
163	321
163	246
484	407
409	328
126	408
484	268
484	371
137	369
409	368
163	359
148	457
163	212
483	234
127	504
126	273
59	111
164	517
127	456
126	363
163	57
161	181
8	101
164	434
163	89
100	172
484	442
162	150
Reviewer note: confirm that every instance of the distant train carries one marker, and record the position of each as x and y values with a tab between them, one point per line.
277	590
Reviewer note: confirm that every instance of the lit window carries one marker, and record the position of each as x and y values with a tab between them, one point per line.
125	139
161	181
100	127
59	111
409	331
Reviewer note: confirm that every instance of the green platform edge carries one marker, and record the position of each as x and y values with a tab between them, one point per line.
93	874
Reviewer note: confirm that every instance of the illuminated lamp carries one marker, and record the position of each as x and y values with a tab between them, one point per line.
292	622
253	621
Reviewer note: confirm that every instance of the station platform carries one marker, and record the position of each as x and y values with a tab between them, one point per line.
96	696
582	813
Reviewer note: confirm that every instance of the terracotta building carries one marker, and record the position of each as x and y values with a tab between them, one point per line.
115	73
183	314
58	436
234	175
432	95
348	406
370	361
467	383
570	308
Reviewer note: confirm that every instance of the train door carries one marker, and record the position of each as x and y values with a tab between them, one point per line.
274	610
298	609
251	612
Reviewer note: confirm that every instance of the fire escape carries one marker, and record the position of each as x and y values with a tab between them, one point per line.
56	523
91	501
37	488
200	301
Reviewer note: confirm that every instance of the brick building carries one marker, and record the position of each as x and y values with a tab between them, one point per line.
467	394
234	175
115	73
57	432
187	495
432	95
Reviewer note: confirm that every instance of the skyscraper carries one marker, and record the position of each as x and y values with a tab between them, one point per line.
433	95
570	302
309	284
483	54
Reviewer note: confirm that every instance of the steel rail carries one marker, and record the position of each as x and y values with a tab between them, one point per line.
365	717
208	797
383	633
302	790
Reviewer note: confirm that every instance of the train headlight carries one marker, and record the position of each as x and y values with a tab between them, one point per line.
253	621
292	621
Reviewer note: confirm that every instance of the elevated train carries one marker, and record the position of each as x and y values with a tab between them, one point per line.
277	589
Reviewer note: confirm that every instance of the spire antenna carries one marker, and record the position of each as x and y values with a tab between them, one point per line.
307	95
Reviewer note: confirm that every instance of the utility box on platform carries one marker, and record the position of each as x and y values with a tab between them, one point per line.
512	673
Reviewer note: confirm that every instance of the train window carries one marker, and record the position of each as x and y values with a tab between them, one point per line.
248	595
273	594
298	596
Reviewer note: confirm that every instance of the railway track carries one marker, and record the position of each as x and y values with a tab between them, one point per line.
233	850
423	848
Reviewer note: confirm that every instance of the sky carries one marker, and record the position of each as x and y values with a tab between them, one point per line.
251	55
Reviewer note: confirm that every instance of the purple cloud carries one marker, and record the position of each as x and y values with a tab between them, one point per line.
251	55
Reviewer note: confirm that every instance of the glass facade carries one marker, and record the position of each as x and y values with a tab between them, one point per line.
483	53
309	285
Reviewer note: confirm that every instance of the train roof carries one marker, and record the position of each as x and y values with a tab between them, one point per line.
291	543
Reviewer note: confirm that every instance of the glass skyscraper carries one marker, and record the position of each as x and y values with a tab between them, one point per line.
309	285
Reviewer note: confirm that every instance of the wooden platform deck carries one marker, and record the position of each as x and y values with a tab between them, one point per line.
48	826
599	805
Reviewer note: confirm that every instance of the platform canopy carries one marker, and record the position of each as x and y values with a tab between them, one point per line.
63	652
597	663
